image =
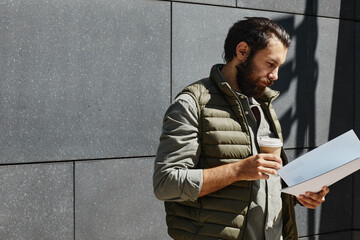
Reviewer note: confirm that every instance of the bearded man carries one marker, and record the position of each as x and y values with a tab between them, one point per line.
208	168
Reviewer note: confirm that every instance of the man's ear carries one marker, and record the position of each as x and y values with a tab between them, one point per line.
242	51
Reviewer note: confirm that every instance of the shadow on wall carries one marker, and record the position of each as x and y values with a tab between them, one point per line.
337	213
304	69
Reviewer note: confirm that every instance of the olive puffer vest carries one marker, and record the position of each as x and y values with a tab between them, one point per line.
224	138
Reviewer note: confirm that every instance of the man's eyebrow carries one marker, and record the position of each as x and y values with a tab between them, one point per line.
273	60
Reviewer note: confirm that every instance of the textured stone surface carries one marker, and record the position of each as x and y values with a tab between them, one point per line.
82	79
215	2
343	9
328	8
342	107
356	235
115	200
291	105
356	193
293	6
357	77
356	201
330	79
36	202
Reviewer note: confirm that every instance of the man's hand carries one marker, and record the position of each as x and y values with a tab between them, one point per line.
313	200
258	166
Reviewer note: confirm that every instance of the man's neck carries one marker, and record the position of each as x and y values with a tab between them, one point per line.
229	72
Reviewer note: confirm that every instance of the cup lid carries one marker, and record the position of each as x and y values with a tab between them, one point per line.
270	142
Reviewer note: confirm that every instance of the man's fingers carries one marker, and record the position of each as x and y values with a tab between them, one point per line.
307	203
271	157
266	170
320	196
270	164
325	190
313	200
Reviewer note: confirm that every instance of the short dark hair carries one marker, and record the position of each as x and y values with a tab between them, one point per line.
256	32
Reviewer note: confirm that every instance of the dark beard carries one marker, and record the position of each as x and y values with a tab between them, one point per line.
248	83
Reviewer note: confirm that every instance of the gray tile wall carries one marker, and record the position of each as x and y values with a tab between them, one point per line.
114	200
85	84
214	2
331	78
356	200
36	201
325	8
357	77
82	79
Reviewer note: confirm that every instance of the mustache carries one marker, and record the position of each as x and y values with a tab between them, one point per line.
267	82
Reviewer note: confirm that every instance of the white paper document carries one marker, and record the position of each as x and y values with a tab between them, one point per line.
322	166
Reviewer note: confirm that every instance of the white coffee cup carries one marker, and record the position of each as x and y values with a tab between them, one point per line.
270	145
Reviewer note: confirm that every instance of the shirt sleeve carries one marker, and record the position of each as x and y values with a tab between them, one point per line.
175	175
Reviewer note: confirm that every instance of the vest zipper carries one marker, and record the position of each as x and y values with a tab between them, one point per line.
251	154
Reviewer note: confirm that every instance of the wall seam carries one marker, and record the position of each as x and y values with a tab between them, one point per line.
74	201
171	51
78	160
354	121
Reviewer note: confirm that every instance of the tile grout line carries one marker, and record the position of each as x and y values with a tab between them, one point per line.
74	201
171	51
74	160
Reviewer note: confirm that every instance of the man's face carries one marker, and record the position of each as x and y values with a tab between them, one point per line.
261	69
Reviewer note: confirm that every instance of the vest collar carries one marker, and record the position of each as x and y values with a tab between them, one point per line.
219	80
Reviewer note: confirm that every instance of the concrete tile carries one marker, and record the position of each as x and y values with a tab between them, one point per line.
291	105
331	212
356	196
330	79
214	2
293	6
342	118
357	77
308	221
355	234
328	8
356	193
36	202
115	200
83	79
333	8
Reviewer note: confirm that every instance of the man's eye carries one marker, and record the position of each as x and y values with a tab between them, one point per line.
270	64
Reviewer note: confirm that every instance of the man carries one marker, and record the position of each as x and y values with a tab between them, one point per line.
208	169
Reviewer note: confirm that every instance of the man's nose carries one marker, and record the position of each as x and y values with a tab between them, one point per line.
274	74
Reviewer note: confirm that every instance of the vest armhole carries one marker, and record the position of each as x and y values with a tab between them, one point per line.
196	102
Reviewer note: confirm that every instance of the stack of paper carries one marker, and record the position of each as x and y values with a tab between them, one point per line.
322	166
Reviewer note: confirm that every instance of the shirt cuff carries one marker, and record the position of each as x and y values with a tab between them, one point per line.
193	184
